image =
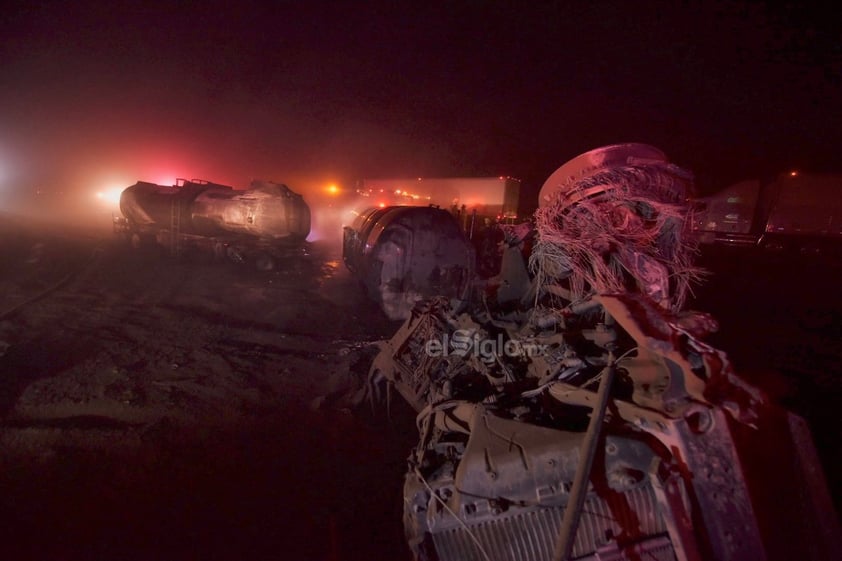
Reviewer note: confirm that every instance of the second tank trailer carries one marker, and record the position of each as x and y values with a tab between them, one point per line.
254	223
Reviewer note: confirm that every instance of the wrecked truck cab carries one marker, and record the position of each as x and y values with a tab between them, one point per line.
402	254
690	462
599	424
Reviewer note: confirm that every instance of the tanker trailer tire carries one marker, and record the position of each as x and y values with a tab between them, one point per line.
141	242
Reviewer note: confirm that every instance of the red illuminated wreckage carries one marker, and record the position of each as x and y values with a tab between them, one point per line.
577	413
257	224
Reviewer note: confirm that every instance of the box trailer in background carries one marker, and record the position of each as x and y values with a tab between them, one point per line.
485	197
727	216
795	211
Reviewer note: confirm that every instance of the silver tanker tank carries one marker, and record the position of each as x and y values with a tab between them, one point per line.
403	254
265	210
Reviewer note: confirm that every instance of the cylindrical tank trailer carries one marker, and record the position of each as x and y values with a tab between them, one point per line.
256	221
403	254
265	210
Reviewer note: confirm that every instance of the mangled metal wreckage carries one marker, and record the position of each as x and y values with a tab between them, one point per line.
402	254
589	420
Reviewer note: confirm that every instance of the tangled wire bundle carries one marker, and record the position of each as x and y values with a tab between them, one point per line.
608	231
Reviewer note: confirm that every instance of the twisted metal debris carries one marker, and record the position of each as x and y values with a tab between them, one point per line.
521	457
608	228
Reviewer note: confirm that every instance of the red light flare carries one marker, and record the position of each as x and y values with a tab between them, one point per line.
165	178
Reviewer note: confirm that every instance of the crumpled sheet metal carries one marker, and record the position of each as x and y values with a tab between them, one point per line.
691	429
496	423
616	214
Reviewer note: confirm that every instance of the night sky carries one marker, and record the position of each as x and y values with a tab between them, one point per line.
96	92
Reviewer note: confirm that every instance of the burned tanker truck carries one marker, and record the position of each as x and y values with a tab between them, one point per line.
587	418
406	247
402	254
259	225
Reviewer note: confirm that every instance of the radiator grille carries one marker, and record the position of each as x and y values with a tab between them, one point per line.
530	535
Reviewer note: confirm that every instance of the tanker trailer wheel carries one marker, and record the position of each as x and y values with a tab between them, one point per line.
140	241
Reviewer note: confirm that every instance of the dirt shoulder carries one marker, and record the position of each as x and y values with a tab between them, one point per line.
160	409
